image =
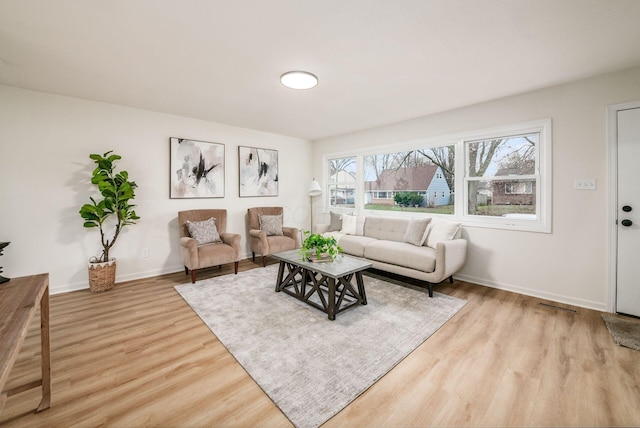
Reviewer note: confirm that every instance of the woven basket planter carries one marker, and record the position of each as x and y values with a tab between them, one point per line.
102	276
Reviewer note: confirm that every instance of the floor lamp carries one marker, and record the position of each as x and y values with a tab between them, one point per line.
314	190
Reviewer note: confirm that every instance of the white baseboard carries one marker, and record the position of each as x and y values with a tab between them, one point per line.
84	285
559	298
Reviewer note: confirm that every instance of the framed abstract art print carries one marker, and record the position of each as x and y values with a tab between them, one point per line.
258	169
197	169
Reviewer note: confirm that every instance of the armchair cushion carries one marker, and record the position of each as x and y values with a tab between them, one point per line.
271	224
205	232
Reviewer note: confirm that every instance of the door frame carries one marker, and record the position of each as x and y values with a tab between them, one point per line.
612	212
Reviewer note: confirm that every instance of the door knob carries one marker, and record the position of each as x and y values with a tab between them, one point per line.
626	208
627	222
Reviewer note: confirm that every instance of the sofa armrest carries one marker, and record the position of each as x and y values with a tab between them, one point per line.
450	258
320	228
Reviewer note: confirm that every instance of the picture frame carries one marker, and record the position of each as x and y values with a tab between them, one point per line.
258	171
197	169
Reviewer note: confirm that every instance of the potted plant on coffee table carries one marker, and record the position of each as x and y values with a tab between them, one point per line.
318	248
109	214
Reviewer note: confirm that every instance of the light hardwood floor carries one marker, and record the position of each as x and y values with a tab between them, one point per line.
139	356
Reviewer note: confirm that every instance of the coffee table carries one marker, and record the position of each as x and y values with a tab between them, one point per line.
326	286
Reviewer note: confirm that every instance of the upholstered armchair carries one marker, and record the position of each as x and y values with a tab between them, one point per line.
205	242
267	235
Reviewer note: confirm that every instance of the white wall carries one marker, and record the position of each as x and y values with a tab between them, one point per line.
45	142
570	264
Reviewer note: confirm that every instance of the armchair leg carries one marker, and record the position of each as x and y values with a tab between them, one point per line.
253	256
186	270
430	289
193	276
235	267
451	279
264	261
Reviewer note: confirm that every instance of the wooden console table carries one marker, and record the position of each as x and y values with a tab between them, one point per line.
18	299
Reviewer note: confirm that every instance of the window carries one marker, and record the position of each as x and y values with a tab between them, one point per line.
410	180
342	182
518	188
501	176
498	178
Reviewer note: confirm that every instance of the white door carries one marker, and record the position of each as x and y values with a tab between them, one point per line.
628	215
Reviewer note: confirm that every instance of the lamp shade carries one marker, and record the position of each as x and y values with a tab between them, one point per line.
314	188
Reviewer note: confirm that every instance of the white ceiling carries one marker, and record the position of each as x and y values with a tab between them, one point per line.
378	61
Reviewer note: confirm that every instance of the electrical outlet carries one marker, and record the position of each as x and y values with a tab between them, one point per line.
585	183
145	253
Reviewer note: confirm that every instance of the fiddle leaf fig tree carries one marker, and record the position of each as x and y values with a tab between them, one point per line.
114	208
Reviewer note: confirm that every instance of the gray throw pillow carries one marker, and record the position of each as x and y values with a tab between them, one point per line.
205	232
336	222
271	224
415	233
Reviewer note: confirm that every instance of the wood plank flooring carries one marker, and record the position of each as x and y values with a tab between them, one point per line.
138	356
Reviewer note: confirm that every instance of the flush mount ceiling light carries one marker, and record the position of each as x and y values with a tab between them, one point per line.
299	80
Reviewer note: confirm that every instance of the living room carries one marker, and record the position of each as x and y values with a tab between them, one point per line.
49	128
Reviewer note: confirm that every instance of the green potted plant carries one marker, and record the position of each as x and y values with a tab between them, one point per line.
113	210
318	248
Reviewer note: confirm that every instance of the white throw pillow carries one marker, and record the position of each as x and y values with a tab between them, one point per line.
360	225
349	224
441	230
415	234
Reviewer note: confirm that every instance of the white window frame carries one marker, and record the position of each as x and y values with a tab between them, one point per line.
543	175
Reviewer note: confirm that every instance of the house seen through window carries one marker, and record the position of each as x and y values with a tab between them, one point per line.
415	180
501	178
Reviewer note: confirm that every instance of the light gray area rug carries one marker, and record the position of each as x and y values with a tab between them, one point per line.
309	366
625	331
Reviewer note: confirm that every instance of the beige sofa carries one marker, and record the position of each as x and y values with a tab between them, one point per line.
429	250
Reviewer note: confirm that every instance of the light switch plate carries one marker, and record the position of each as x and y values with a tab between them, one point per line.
585	183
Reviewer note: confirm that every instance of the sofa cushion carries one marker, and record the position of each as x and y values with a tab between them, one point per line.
388	228
441	230
402	254
416	231
354	244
